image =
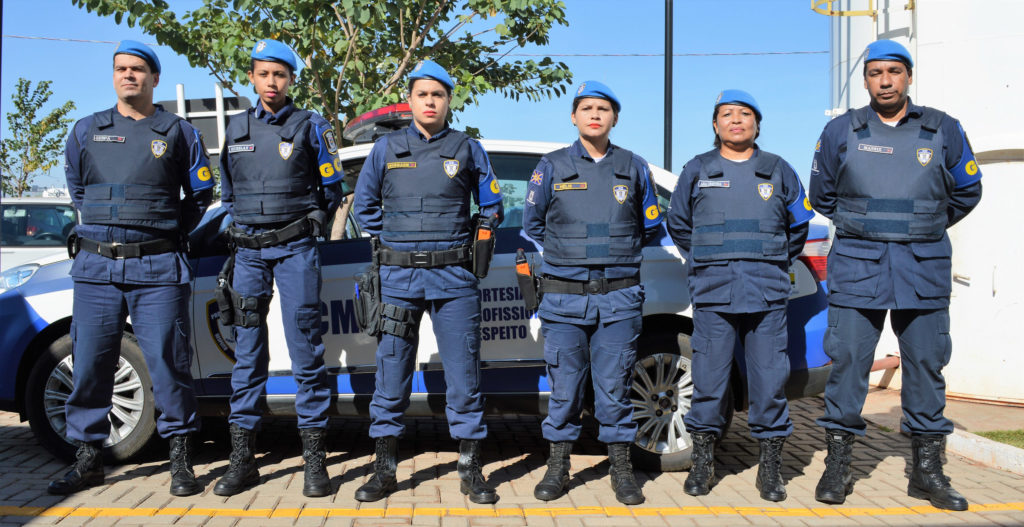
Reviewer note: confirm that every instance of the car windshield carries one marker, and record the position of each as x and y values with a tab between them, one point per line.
36	224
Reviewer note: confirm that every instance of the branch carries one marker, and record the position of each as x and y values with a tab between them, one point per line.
505	54
417	40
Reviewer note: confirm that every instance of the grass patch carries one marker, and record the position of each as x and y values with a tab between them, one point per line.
885	429
1010	437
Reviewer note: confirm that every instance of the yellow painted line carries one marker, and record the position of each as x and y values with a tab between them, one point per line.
497	512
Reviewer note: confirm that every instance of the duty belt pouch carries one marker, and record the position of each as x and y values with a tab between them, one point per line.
483	247
527	281
223	293
367	288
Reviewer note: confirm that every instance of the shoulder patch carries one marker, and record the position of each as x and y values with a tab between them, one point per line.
329	141
537	177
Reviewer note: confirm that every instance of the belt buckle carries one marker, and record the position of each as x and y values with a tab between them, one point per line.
420	258
594	287
266	239
115	252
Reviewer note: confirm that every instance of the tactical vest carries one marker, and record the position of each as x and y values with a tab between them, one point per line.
130	172
593	216
273	169
427	187
740	211
893	184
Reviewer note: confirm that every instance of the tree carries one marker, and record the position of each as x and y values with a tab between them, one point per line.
35	143
357	52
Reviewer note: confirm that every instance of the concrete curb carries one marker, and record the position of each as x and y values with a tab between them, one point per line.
986	451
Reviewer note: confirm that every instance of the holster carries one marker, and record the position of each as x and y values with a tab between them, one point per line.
235	309
367	301
527	281
483	246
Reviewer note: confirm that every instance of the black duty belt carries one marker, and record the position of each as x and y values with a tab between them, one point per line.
550	284
119	251
299	228
426	259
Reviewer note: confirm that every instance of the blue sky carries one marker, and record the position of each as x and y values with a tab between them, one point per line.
792	89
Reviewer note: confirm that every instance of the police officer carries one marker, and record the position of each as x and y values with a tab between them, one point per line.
413	193
739	216
892	176
280	180
591	206
140	179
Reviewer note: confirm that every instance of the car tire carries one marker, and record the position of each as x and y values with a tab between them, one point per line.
49	385
661	394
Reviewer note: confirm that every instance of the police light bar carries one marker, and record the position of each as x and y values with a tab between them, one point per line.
369	126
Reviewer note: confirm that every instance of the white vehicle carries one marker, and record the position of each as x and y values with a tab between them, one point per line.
35	231
35	345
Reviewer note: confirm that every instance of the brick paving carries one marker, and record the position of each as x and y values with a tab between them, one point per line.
428	492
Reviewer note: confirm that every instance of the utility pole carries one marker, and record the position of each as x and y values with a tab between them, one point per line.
668	85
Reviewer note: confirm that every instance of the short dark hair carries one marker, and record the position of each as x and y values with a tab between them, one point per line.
252	65
718	140
910	70
446	88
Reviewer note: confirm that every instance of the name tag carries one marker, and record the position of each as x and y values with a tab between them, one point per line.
108	138
570	186
241	148
712	183
401	164
874	149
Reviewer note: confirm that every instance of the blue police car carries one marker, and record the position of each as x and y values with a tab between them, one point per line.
35	345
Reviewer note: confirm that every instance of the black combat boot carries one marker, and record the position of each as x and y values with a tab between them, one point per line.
87	471
927	481
836	482
315	483
385	465
473	483
556	478
769	469
242	472
702	473
183	478
627	490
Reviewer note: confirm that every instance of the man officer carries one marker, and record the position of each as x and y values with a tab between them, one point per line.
414	194
140	179
280	180
892	176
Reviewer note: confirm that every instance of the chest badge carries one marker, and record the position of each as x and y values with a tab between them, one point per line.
285	149
765	190
924	156
451	167
158	148
620	192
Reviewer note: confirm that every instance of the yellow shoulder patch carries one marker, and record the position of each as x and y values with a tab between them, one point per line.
326	170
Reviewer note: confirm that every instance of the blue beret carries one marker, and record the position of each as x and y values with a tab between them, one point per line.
738	97
131	47
274	51
428	69
888	50
598	90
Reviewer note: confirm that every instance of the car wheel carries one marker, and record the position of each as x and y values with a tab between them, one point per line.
661	394
132	424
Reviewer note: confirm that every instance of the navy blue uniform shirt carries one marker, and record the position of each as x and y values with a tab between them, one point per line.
167	268
900	269
452	281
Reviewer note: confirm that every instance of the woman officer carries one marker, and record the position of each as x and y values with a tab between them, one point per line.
739	216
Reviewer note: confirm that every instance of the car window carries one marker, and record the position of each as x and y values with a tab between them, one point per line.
513	171
37	225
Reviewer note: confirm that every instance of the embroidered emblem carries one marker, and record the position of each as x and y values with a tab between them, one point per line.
337	164
765	190
326	170
332	144
451	167
529	197
495	187
158	147
582	87
807	203
652	212
537	177
401	164
260	46
241	148
711	183
204	174
570	186
924	156
108	138
814	165
620	192
874	149
817	147
285	149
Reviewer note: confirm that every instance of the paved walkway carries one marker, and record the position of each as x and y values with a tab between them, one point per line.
429	488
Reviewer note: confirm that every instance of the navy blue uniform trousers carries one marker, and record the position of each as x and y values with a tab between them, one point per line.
925	348
764	339
456	323
160	322
298	277
606	350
